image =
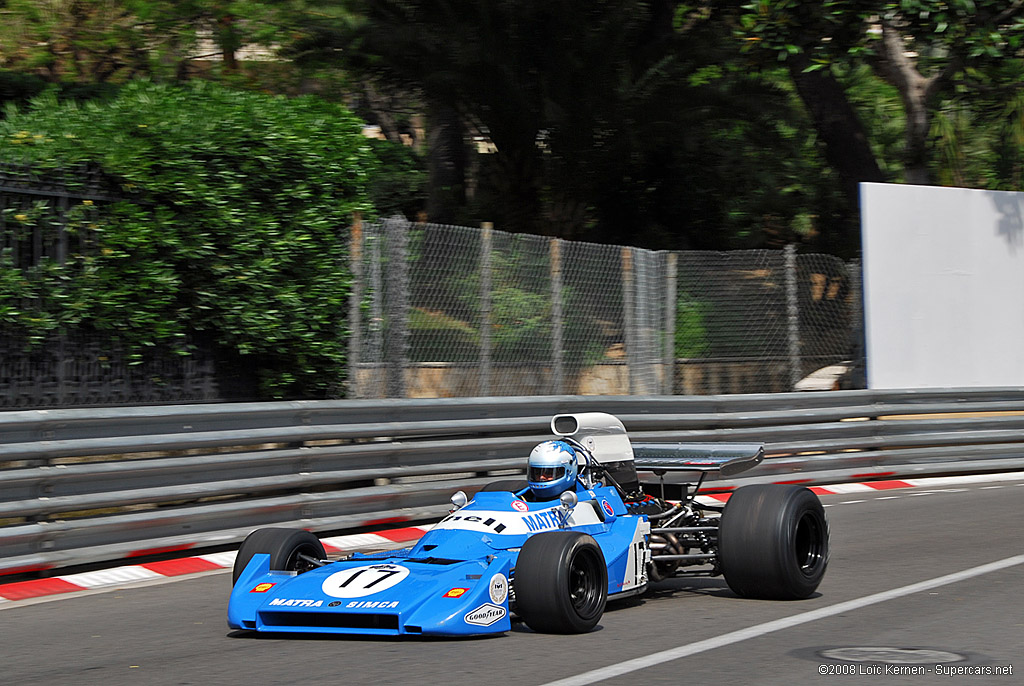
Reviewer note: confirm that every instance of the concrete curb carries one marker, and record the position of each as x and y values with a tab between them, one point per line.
149	571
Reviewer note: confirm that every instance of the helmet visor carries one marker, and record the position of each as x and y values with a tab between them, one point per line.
544	474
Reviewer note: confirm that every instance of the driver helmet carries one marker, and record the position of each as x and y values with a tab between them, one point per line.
551	469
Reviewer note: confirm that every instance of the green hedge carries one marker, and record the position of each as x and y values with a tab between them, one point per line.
235	227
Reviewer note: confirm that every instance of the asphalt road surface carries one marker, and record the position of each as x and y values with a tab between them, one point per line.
923	587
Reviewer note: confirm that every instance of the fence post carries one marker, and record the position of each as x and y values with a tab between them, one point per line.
557	317
485	308
629	318
858	344
669	381
355	329
375	384
793	316
397	305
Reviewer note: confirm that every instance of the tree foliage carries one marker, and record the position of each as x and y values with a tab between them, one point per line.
234	225
933	52
709	123
604	116
114	41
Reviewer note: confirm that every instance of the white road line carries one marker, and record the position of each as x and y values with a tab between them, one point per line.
852	502
779	625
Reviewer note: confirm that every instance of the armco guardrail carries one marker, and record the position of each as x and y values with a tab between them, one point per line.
80	486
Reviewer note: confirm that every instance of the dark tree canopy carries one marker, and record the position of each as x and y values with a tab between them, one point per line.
713	123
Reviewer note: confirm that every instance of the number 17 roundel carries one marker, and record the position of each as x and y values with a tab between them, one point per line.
357	582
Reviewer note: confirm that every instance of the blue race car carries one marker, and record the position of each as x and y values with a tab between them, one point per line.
552	549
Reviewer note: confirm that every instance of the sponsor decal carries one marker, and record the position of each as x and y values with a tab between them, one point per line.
367	604
262	588
473	519
546	519
287	602
608	508
520	505
455	593
485	615
498	588
357	582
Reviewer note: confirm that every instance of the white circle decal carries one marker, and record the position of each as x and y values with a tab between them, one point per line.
356	582
498	589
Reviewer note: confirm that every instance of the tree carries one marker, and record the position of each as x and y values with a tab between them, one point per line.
98	41
85	41
930	51
608	124
531	77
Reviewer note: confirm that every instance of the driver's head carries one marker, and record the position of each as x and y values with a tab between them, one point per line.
551	469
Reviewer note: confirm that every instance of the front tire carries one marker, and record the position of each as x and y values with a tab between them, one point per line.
773	542
284	547
561	583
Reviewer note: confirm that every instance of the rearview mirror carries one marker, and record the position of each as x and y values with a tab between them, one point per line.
459	500
568	501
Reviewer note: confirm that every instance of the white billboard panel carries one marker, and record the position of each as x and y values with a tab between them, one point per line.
943	286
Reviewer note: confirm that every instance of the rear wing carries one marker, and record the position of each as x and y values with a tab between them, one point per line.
728	459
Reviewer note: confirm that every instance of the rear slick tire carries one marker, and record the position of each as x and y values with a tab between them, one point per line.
773	542
561	583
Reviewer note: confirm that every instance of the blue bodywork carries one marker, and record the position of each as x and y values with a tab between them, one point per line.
459	578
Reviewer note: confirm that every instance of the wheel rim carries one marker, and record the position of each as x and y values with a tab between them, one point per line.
585	585
809	543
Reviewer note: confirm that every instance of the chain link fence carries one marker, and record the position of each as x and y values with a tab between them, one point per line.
446	311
